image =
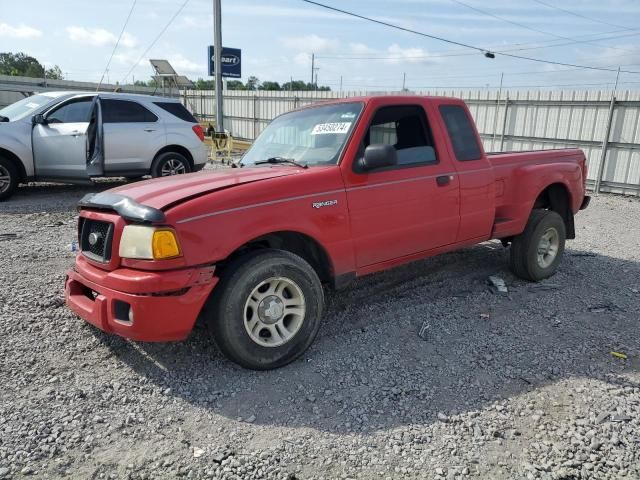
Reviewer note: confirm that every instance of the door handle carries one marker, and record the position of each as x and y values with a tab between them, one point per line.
75	133
443	180
149	129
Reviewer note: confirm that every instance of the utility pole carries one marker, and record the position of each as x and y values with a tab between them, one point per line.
217	63
313	65
340	85
404	80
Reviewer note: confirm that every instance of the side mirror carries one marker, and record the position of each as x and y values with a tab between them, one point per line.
38	119
378	156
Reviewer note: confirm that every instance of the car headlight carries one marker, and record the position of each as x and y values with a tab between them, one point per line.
149	243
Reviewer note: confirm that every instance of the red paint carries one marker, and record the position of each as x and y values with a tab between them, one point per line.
380	219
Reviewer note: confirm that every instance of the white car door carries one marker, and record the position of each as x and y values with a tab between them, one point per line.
65	137
132	136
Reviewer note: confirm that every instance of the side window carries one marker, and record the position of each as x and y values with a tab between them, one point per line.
407	129
461	132
125	111
75	112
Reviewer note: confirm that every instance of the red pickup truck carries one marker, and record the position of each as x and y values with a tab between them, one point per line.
327	193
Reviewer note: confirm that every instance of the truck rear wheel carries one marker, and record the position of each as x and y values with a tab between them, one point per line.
266	311
8	178
537	252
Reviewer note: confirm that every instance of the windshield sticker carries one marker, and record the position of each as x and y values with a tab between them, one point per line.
337	127
349	115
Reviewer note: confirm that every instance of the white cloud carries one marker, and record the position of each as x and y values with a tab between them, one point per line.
397	54
302	59
261	11
360	49
182	64
311	43
190	22
99	37
20	31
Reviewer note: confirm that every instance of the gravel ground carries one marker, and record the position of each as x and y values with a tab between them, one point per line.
516	386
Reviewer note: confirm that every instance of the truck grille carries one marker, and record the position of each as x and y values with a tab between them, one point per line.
95	239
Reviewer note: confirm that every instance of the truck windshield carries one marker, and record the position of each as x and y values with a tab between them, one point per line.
313	136
24	107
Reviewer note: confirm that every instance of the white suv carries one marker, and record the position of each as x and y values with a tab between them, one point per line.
76	136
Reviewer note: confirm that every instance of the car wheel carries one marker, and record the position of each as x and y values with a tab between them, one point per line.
267	309
170	163
8	178
537	252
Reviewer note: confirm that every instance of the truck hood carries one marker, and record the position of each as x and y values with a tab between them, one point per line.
162	193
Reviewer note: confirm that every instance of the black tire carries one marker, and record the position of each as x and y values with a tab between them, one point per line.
8	186
226	311
524	258
170	161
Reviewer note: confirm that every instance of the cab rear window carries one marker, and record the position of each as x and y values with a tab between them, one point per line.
461	132
178	110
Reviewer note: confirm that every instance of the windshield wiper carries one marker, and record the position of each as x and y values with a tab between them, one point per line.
3	118
276	160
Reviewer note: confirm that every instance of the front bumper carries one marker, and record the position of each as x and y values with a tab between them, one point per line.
164	305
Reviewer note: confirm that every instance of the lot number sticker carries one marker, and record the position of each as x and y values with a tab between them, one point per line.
337	127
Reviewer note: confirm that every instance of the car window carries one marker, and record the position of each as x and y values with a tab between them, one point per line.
463	137
178	110
125	111
407	129
77	111
24	107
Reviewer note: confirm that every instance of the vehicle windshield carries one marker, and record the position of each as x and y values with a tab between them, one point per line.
313	136
24	107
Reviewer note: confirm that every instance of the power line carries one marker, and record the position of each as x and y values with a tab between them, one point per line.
397	27
487	53
575	14
526	27
175	15
454	54
115	47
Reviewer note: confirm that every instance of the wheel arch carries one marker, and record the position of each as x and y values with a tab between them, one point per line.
557	197
175	149
297	243
13	158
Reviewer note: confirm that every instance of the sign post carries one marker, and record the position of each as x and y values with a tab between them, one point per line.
217	32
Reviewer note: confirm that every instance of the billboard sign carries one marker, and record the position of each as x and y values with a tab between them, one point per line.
231	62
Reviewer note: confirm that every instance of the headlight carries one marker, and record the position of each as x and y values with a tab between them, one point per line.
149	243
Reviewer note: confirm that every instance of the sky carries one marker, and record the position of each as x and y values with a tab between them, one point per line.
277	38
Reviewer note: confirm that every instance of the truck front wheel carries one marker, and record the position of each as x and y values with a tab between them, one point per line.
537	252
266	311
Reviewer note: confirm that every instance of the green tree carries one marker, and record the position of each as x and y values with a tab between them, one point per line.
55	73
21	64
202	84
270	86
253	83
235	85
299	85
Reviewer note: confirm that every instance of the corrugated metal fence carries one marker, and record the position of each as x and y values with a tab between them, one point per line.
605	126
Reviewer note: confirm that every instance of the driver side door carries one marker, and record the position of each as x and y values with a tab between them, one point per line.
67	144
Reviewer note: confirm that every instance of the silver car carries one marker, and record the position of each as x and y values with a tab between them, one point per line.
76	136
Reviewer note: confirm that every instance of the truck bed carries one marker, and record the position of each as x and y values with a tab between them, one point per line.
521	176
